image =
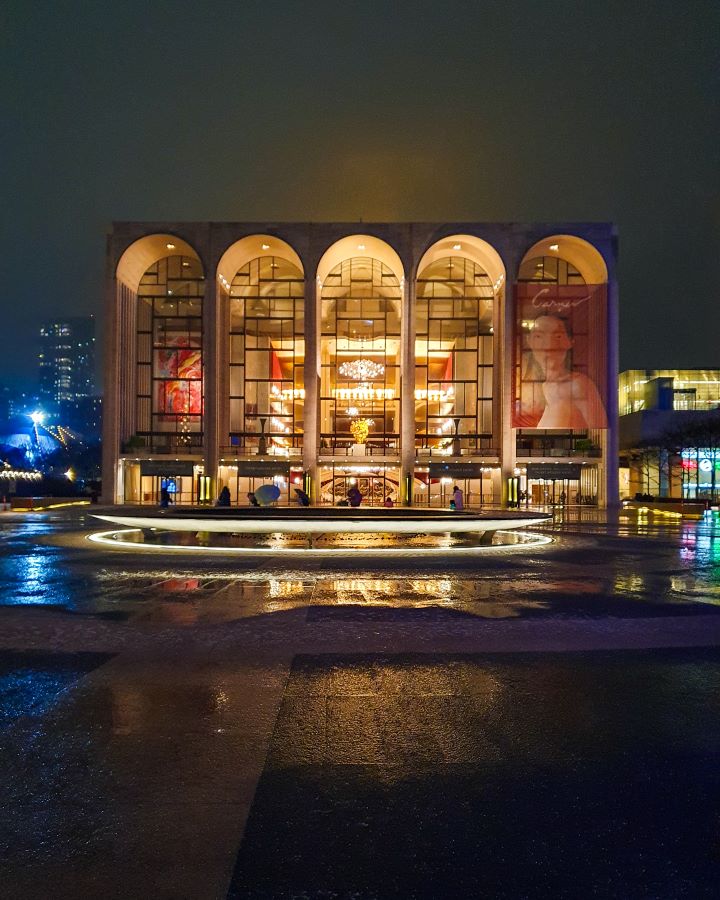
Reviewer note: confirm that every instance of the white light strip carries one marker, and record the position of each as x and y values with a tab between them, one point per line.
107	538
436	524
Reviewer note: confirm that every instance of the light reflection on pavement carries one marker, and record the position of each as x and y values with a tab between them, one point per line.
498	722
591	569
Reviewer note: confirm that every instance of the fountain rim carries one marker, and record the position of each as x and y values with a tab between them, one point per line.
330	520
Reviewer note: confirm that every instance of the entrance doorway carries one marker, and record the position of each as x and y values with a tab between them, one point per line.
181	488
374	485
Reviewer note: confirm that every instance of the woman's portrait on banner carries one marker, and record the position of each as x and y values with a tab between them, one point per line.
561	359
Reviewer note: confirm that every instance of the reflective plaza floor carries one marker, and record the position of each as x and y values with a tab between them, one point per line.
536	722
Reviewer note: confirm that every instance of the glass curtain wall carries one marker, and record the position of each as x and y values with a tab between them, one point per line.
454	358
169	355
360	359
267	353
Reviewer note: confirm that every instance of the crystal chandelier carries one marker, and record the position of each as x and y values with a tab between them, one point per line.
361	369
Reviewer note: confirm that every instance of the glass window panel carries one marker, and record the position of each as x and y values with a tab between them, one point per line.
268	339
170	309
454	335
237	380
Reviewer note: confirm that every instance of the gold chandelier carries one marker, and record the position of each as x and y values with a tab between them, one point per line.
361	369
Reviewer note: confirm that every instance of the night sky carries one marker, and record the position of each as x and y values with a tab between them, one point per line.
376	110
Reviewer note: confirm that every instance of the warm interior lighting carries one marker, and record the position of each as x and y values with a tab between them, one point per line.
170	246
364	392
555	247
361	369
265	246
434	396
457	246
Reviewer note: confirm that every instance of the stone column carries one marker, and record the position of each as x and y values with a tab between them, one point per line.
111	394
120	399
311	412
212	297
503	370
612	446
407	389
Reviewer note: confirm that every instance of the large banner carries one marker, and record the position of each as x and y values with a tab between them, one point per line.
181	394
560	356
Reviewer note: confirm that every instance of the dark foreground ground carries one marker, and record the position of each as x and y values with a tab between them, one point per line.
529	724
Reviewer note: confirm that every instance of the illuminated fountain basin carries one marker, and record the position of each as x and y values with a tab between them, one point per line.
322	530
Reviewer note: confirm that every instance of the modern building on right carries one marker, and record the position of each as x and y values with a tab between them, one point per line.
670	433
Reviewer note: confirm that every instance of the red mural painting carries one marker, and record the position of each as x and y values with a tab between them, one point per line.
182	393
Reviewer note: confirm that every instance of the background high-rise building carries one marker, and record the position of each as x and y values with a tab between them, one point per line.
67	359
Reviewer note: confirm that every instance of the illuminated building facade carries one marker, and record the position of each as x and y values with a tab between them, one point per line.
401	359
669	432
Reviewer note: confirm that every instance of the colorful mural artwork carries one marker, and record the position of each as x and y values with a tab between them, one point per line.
179	397
560	371
181	394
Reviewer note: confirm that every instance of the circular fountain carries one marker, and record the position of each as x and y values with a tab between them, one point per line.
322	530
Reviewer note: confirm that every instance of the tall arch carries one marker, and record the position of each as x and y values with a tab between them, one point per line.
563	385
458	281
261	280
160	288
360	281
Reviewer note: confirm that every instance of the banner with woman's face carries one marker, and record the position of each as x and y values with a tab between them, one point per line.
560	356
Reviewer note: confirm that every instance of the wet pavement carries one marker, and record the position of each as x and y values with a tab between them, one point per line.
540	722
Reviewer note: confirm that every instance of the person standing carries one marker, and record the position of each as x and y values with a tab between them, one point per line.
458	498
223	497
388	504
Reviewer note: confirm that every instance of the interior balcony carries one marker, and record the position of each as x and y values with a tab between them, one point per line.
250	444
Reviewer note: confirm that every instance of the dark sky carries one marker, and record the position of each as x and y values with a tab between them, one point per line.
511	110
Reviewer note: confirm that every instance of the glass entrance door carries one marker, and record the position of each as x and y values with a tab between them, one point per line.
374	486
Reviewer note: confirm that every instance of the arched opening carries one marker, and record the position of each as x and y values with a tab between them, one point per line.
143	253
458	281
577	254
560	370
262	280
160	283
360	317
